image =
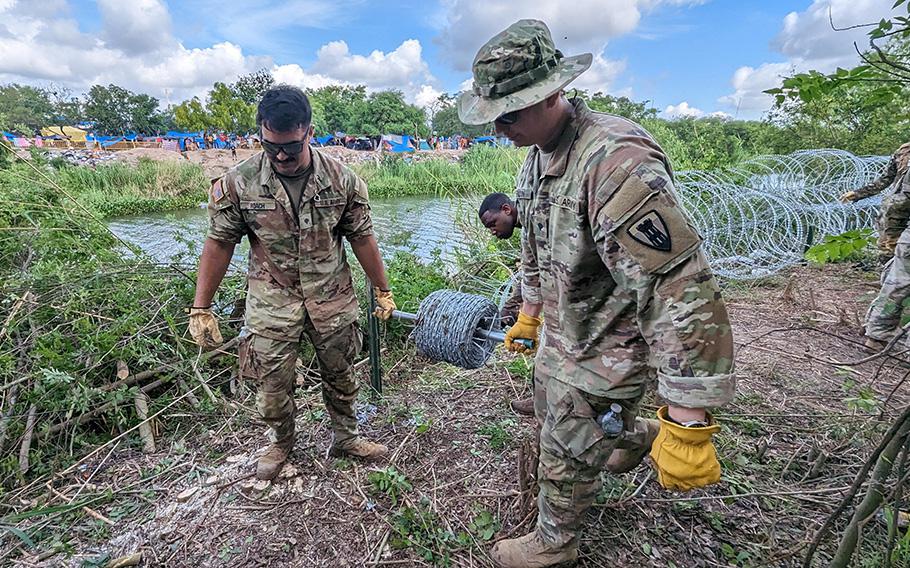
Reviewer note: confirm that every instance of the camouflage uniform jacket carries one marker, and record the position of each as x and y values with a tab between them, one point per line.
624	284
895	213
892	219
295	268
897	166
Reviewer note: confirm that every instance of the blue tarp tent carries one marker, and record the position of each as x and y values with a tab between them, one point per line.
182	136
485	140
397	143
8	135
323	140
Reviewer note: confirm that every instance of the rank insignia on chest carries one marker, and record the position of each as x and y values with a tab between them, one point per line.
217	191
651	231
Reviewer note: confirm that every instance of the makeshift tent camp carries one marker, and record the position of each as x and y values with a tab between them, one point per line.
70	133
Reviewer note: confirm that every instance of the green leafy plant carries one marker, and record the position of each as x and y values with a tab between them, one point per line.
389	481
484	525
498	434
419	529
840	248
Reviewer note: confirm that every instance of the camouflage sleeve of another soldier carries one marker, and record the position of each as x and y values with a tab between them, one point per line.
880	184
897	165
895	213
647	242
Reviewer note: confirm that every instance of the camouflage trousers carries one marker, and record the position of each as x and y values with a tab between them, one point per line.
884	315
270	364
573	453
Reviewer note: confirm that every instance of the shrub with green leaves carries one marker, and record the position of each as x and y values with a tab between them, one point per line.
849	246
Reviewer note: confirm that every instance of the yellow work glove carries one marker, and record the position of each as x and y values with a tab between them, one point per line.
684	457
385	304
848	197
204	328
527	327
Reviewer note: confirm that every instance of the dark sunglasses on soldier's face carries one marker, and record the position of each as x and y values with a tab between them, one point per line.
508	118
289	148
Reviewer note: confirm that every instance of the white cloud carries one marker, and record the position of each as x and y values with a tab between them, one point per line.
401	68
586	27
426	96
137	26
136	49
808	42
682	110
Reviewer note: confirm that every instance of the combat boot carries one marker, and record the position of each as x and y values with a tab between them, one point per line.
358	447
530	551
622	460
523	406
874	345
269	465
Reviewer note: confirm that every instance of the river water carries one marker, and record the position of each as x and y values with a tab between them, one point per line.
421	224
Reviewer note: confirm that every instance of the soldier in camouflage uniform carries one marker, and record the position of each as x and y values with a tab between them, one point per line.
897	167
294	204
884	315
500	216
613	265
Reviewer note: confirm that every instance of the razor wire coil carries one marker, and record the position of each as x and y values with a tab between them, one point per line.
447	323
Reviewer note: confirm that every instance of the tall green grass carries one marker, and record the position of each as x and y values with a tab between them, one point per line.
117	189
483	170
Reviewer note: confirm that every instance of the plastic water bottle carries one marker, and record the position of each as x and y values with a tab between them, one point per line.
611	421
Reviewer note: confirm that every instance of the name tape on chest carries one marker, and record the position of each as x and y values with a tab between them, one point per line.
257	205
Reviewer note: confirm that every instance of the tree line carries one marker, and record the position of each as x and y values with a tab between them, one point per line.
812	111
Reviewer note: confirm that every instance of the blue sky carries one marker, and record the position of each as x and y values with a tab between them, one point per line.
692	57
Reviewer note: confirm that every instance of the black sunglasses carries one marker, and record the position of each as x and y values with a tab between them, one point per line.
289	148
508	118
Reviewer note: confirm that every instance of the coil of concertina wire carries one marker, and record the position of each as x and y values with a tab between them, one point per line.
447	321
756	217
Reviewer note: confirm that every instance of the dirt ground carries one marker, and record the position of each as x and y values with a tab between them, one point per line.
792	441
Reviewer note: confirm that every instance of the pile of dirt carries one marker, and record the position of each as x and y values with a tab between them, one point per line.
216	163
133	155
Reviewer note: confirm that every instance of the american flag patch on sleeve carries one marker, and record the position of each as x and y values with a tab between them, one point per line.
217	191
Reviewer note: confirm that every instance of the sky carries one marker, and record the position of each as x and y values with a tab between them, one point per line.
687	57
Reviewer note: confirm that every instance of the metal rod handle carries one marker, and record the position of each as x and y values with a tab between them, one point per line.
481	333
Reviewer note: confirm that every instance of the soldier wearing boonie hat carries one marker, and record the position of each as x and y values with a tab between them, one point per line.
612	264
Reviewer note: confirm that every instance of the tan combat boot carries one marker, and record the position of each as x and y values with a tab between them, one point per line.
523	406
358	447
269	465
874	345
622	460
530	551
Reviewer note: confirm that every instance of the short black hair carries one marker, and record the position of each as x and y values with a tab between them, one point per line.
284	108
494	201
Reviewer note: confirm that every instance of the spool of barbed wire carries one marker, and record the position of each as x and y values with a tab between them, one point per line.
455	327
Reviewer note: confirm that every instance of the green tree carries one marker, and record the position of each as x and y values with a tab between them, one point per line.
25	108
342	108
864	109
250	88
115	110
228	111
621	106
191	115
446	122
386	112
